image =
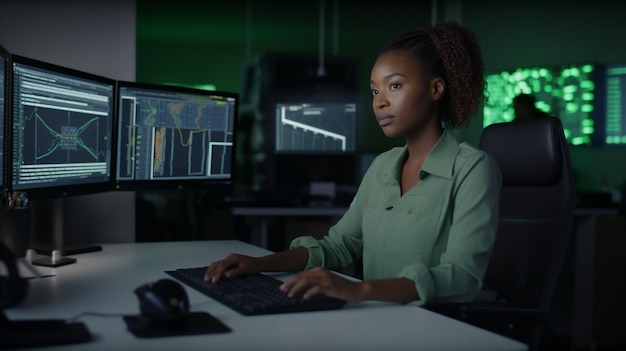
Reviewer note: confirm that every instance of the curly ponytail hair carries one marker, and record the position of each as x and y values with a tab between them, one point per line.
452	52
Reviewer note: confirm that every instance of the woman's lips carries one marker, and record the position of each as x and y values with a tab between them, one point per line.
384	120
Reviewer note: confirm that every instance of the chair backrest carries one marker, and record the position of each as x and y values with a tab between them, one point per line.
536	209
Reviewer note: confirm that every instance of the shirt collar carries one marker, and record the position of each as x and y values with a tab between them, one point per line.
439	162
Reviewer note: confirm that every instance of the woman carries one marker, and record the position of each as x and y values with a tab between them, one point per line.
425	215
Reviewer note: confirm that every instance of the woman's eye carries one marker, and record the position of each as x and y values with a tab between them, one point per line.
374	92
394	86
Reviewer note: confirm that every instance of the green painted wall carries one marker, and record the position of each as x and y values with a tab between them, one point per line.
192	42
534	33
195	42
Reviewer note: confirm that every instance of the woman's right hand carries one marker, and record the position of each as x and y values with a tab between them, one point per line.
231	266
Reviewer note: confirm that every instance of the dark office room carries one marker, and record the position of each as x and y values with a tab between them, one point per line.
294	79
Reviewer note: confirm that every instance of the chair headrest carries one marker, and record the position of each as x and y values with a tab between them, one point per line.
528	152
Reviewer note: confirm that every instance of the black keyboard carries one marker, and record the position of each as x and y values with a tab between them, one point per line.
253	294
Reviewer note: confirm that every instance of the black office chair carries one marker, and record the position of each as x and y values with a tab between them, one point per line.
536	214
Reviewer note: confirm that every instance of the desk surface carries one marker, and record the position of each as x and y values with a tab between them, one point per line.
103	282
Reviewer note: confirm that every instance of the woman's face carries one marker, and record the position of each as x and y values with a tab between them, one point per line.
404	95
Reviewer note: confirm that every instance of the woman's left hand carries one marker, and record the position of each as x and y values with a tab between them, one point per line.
319	280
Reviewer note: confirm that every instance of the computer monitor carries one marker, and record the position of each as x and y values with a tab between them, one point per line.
568	92
61	144
4	100
62	130
614	126
577	102
172	137
314	142
315	127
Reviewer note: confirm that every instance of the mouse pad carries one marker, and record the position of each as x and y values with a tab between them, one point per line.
196	323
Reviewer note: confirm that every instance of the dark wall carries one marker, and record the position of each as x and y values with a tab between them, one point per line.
209	42
532	33
198	42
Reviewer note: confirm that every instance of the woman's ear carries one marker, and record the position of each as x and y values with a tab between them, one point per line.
437	88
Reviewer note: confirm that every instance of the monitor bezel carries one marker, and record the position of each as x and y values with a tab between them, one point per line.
42	191
5	55
224	184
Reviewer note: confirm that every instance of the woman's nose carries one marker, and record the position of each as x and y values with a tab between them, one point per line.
380	101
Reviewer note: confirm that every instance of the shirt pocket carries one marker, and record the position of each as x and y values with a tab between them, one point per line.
375	220
373	209
416	223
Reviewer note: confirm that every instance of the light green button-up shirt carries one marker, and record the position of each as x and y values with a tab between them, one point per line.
439	234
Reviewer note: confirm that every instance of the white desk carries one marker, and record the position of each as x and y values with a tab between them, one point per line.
104	282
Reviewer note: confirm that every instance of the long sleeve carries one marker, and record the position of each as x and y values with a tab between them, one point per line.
458	274
439	234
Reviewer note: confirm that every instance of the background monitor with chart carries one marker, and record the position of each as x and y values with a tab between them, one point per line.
314	143
613	129
322	127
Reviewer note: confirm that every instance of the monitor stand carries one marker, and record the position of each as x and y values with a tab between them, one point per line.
47	234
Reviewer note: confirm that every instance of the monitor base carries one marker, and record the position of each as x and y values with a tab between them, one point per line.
49	262
70	250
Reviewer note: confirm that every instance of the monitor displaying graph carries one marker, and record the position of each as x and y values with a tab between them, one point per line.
172	136
62	125
568	92
320	127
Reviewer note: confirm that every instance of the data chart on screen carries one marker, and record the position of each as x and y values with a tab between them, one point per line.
62	126
315	127
169	134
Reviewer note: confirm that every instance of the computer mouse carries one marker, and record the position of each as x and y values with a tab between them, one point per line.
164	300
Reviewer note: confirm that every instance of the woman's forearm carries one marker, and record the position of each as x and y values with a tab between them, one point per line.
292	260
393	290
